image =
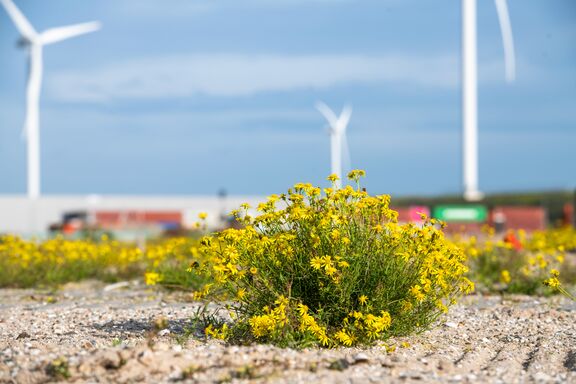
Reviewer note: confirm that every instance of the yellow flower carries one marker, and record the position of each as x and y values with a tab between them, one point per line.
344	338
552	282
202	215
333	177
316	262
330	270
554	273
416	291
390	348
505	276
441	306
467	285
262	325
241	293
406	305
363	299
356	174
343	264
335	234
152	278
216	333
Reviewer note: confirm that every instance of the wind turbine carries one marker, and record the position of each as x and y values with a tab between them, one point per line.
470	88
338	141
34	42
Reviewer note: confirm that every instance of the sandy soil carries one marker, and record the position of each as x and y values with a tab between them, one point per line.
91	333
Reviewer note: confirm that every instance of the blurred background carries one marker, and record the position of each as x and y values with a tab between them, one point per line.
213	102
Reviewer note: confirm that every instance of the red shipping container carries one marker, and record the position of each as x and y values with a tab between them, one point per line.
119	218
528	218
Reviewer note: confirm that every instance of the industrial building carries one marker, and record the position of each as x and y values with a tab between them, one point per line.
19	215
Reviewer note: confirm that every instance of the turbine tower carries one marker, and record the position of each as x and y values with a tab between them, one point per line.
34	42
470	88
338	141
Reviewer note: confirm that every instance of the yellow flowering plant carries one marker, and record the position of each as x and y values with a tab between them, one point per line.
518	262
332	267
170	262
554	283
29	263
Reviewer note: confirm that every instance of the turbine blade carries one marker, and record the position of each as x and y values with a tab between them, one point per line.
344	119
507	39
22	24
54	35
328	114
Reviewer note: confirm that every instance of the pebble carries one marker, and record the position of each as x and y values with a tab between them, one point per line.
90	323
541	377
360	358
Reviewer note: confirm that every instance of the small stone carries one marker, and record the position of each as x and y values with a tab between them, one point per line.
164	332
541	377
176	375
360	358
115	286
450	324
87	345
23	335
339	365
414	375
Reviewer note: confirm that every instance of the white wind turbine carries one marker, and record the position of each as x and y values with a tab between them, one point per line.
470	88
34	42
338	141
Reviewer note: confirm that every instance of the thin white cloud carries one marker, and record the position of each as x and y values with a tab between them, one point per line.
245	75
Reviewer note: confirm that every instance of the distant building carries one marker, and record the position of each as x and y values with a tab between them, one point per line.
20	216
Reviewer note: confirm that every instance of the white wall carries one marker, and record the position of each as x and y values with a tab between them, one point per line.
19	216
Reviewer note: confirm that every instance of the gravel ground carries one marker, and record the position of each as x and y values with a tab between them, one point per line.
91	333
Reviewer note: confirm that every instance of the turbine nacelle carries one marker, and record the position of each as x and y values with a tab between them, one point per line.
23	42
337	124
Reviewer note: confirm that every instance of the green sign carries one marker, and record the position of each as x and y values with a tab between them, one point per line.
461	213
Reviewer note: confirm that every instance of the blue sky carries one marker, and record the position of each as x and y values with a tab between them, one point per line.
191	96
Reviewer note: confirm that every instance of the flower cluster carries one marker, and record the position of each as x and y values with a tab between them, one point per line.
518	263
331	266
26	263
